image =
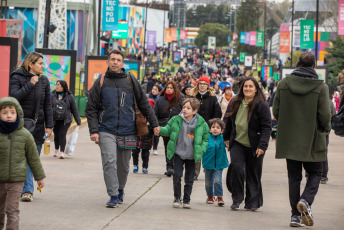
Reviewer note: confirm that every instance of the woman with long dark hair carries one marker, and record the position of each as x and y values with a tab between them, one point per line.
248	130
169	104
63	103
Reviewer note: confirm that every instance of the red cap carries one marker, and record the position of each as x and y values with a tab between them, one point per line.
204	78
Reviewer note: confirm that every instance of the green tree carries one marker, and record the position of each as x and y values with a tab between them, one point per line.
207	14
217	30
335	59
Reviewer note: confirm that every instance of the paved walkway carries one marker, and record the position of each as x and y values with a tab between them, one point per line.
75	197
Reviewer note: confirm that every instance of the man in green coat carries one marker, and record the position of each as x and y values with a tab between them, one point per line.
301	107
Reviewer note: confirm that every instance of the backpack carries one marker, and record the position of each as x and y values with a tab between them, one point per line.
60	110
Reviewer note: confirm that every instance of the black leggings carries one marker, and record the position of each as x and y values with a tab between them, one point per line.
60	132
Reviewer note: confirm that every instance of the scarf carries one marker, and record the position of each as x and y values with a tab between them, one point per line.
305	72
169	95
111	74
228	98
9	127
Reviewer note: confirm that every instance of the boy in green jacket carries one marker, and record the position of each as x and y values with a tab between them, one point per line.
189	134
17	149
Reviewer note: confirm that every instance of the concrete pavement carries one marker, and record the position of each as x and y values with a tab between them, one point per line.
75	197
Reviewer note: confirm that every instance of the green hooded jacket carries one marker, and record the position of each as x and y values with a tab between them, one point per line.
302	109
18	149
172	130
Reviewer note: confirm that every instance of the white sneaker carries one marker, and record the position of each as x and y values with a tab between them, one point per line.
155	152
62	156
57	152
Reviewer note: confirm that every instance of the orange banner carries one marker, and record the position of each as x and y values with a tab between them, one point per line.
284	42
174	33
168	35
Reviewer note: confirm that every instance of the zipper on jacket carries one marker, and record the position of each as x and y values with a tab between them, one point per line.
10	158
122	99
101	115
215	153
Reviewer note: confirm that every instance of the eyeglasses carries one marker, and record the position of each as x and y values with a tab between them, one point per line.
204	84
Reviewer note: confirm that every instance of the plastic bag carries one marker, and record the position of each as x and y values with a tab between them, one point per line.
72	142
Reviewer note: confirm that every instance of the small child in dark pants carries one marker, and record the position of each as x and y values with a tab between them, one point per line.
143	143
189	134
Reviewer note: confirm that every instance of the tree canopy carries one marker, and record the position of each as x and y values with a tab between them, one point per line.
207	14
217	30
335	59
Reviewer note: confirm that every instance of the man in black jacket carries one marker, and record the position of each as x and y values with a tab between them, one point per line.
151	82
111	121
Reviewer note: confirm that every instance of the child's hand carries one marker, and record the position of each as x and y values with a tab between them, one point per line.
156	131
40	183
227	144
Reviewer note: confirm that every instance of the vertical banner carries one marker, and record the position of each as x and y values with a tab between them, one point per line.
242	57
110	15
211	42
229	39
173	34
151	40
168	35
178	34
242	37
266	72
260	39
341	18
253	38
183	34
307	34
247	38
284	42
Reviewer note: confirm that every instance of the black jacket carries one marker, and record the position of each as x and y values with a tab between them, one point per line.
71	106
110	107
26	93
210	107
341	104
162	114
259	128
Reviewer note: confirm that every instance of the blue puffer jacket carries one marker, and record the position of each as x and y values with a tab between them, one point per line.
215	157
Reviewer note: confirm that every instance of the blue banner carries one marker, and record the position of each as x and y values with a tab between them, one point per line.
110	15
242	37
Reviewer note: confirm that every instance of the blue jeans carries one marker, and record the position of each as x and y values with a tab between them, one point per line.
213	182
28	185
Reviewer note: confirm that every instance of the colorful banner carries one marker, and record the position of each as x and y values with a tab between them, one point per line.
229	39
110	15
183	34
253	38
284	42
5	70
178	34
284	28
266	72
341	18
242	37
260	39
242	57
168	38
174	34
151	40
247	38
307	34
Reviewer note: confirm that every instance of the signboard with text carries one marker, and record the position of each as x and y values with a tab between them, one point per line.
307	34
110	15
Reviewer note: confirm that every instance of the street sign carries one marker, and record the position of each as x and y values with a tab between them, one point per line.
211	42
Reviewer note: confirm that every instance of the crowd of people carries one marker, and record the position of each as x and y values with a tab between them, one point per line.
209	105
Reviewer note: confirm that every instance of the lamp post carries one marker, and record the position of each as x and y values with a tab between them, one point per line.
292	33
316	33
46	24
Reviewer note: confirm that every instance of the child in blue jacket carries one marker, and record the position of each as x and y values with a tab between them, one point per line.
214	161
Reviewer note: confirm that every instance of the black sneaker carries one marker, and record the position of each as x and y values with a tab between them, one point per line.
296	221
176	203
169	172
235	206
323	180
306	213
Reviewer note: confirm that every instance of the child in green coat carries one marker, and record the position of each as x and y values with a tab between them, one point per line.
189	134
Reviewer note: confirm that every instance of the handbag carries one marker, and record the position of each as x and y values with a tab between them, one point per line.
141	124
30	124
337	123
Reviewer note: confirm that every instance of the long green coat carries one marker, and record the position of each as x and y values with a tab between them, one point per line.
302	109
18	149
172	130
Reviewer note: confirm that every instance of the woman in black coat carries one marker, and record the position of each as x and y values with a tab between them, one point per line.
61	96
25	85
169	104
248	130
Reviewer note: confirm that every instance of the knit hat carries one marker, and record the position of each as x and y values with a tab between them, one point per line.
204	78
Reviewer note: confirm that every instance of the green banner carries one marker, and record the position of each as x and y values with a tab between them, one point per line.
178	34
260	39
242	57
307	34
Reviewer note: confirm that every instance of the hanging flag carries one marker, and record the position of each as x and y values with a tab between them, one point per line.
242	37
266	72
247	37
110	15
183	34
284	42
174	34
151	40
242	57
229	39
341	18
307	34
178	34
260	39
168	38
253	38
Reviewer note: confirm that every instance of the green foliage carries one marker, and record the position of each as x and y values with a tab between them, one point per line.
296	56
335	59
217	30
207	14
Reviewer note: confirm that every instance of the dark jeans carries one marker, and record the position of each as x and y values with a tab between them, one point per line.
155	142
188	178
313	170
144	156
325	163
60	132
246	166
169	163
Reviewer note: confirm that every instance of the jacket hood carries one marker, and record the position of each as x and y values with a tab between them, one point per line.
21	71
15	103
193	121
302	86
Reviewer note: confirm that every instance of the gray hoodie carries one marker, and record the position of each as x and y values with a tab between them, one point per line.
185	142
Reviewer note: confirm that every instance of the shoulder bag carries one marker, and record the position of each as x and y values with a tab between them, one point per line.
29	123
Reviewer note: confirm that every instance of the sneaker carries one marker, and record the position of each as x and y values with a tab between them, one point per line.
296	221
136	169
306	213
113	202
144	170
155	152
120	196
169	172
62	156
57	152
176	203
195	177
323	180
220	201
210	200
235	206
27	197
186	205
